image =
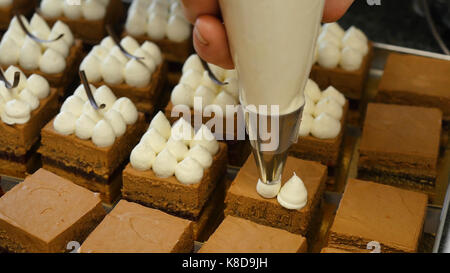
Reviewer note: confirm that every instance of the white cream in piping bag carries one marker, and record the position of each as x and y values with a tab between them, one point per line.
103	126
178	150
17	104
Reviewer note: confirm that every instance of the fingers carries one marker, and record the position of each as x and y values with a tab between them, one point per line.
334	9
210	41
195	8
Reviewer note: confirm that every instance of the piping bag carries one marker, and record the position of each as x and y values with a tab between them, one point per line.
272	44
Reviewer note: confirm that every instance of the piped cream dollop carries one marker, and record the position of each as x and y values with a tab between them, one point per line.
293	195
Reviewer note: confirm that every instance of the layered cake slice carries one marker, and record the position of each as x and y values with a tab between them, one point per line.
24	110
198	94
416	80
177	170
9	8
132	228
87	19
342	59
237	235
387	215
38	49
163	22
322	127
46	212
129	69
304	179
400	146
91	147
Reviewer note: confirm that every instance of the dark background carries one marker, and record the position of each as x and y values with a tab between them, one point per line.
397	22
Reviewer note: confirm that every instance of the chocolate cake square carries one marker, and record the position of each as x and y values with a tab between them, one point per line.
18	143
132	228
350	83
243	201
90	31
400	146
237	235
174	197
45	212
96	168
388	215
416	80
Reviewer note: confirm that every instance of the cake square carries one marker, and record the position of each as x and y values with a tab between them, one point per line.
19	139
132	228
416	80
92	164
89	30
243	201
237	235
400	145
373	212
45	212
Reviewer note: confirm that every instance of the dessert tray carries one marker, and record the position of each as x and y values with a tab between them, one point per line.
436	236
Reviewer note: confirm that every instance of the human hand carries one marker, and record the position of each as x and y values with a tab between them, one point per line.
210	39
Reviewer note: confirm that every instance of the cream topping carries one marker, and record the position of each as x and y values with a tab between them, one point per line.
293	195
89	9
102	126
189	171
267	190
158	19
17	104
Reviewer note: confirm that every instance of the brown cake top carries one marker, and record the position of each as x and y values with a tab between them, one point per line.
130	227
396	129
391	216
45	205
311	173
237	235
416	74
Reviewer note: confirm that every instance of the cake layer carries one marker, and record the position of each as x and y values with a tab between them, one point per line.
350	83
325	151
172	51
65	78
85	155
169	194
92	31
237	235
146	97
401	137
243	201
45	212
132	228
20	166
17	140
370	211
416	80
109	190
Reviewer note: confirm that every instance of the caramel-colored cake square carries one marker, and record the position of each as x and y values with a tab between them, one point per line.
96	168
237	235
400	145
92	31
172	51
243	201
170	195
132	228
416	80
45	212
18	142
65	78
370	211
24	7
350	83
145	98
325	151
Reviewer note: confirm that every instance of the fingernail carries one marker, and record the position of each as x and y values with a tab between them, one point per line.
199	37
